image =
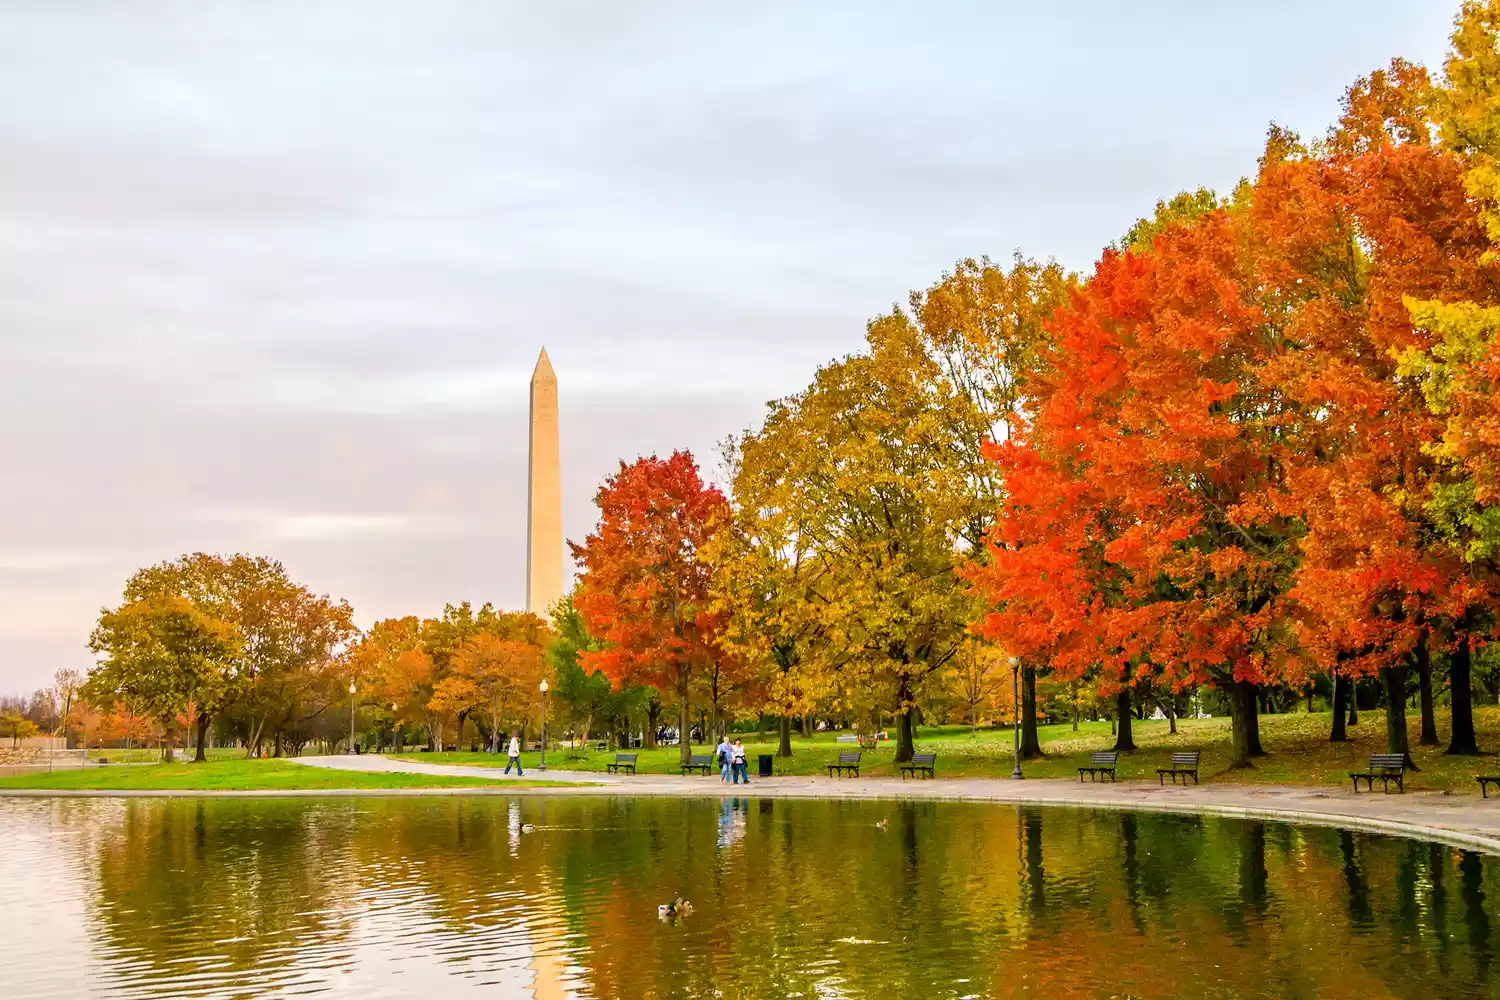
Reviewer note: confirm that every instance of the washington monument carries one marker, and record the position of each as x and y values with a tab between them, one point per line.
544	541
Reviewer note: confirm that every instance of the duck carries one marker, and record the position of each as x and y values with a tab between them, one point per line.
677	908
528	828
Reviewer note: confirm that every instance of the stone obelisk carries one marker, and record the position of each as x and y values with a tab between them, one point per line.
544	541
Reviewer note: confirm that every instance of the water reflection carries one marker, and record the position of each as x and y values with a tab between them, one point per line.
557	898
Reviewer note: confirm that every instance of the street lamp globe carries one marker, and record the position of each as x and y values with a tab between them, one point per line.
544	685
352	748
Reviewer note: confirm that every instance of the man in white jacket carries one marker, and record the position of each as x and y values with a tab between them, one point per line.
515	754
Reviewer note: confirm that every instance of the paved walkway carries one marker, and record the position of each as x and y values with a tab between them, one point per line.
1458	819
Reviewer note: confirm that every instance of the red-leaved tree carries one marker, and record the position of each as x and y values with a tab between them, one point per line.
644	589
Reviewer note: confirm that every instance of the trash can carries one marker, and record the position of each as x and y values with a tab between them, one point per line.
766	760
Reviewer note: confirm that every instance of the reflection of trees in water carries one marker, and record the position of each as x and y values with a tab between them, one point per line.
806	896
189	887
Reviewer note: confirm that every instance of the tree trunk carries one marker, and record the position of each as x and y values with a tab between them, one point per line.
1172	714
1124	740
1354	701
684	721
1243	704
1395	712
203	720
1429	737
905	745
784	734
1031	744
1341	691
1463	740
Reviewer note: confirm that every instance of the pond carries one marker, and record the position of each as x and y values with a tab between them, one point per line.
532	897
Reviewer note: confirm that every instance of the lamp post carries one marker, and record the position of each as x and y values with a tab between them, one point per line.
351	716
1015	716
543	765
128	722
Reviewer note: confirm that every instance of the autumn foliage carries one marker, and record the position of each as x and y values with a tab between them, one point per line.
644	589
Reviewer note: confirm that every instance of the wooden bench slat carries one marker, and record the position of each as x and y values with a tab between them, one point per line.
1184	764
920	762
848	762
1100	762
1388	767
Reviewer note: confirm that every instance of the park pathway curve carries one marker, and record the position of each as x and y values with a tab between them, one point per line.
1463	820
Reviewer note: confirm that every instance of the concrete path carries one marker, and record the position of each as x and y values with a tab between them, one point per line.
380	763
1463	820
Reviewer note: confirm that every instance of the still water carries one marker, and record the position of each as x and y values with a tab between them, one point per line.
457	897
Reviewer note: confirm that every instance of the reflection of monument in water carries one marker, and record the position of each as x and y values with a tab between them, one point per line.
544	542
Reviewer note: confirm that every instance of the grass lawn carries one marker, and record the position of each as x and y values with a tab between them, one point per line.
1298	752
236	775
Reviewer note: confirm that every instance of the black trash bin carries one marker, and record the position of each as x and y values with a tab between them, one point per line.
766	760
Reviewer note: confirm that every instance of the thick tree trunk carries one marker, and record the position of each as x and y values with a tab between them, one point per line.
1124	740
905	703
784	737
1395	712
1341	692
1031	744
1245	718
1429	737
1463	740
203	720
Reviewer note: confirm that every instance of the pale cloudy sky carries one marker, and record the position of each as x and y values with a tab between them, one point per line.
273	275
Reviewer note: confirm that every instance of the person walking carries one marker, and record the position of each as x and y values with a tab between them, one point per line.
738	764
725	754
515	754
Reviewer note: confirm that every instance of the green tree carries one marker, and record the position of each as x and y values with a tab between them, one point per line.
163	653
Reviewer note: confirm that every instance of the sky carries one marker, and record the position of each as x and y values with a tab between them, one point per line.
273	276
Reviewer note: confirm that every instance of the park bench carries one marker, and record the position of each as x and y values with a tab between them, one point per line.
1388	767
101	760
1184	764
623	762
1100	763
700	762
921	763
846	738
848	762
1486	780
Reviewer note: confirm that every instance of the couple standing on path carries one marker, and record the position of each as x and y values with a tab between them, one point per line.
732	761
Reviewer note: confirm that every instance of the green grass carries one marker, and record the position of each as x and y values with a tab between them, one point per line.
234	775
1298	752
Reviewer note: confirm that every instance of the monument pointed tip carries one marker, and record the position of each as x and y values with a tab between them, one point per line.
543	365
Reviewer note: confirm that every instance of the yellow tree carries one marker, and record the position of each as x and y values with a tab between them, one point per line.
858	474
163	652
765	584
501	668
985	330
980	676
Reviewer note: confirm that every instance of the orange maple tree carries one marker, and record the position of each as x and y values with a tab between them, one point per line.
1343	234
645	586
1141	515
